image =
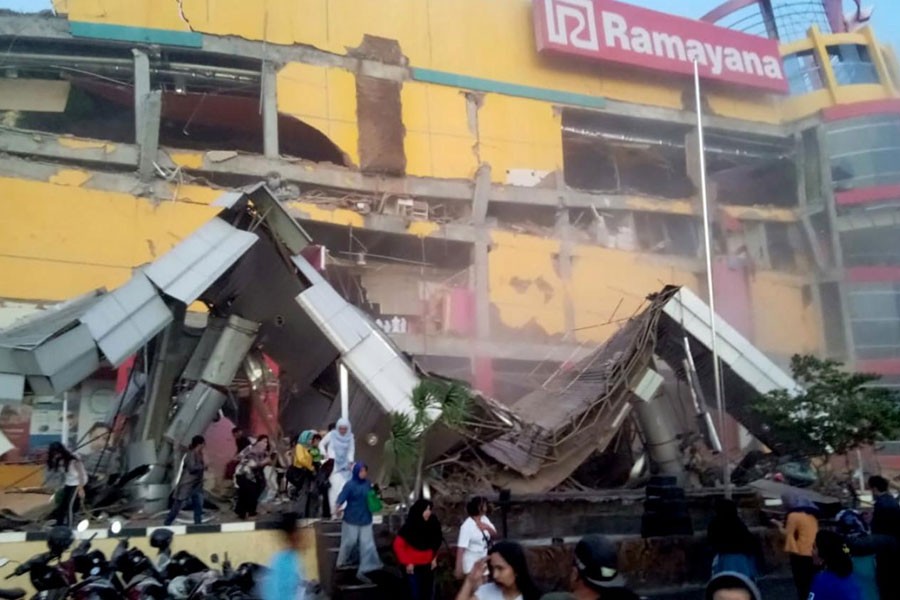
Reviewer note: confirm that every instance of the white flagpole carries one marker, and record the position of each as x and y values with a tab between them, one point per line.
707	242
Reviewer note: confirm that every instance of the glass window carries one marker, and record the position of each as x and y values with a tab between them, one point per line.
875	319
852	64
803	72
864	152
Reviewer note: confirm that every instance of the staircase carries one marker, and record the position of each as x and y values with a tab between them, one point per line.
341	584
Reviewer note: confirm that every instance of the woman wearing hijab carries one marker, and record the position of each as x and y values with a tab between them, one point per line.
302	474
735	548
249	477
800	528
835	581
508	576
416	546
356	530
339	447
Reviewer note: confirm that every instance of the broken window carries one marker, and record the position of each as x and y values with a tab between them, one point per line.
209	102
667	234
852	64
747	170
610	154
783	245
804	73
630	156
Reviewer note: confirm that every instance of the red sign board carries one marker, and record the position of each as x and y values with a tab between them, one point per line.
610	31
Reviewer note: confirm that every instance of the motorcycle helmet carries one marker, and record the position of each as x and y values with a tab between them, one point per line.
161	539
179	587
59	539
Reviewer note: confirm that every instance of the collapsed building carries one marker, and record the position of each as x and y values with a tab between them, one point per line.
497	215
250	268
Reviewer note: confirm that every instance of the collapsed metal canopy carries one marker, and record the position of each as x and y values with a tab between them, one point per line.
244	261
579	411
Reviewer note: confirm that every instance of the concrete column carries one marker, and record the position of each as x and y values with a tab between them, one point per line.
148	142
827	191
270	110
481	196
481	365
563	230
141	89
659	432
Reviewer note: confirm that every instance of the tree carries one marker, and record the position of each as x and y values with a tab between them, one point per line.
836	411
434	402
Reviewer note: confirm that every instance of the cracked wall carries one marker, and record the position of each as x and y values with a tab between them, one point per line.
460	37
58	239
324	98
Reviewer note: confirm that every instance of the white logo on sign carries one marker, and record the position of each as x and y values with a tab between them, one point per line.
572	23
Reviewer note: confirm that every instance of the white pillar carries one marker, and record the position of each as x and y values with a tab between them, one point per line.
345	392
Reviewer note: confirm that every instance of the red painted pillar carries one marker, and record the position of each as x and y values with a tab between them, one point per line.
264	416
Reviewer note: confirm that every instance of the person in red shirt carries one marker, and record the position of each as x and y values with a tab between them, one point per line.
416	547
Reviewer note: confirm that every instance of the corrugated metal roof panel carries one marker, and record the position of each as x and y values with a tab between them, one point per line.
745	359
34	329
373	360
127	318
192	266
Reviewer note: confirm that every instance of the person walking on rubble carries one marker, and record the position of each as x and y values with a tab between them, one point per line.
595	573
340	447
475	536
416	546
189	482
60	460
357	535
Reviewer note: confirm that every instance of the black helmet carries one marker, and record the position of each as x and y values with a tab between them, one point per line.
59	539
161	539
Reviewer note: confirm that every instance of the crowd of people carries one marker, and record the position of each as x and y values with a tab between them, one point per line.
319	476
856	559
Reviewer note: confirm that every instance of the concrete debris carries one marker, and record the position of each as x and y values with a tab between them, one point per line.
592	399
219	156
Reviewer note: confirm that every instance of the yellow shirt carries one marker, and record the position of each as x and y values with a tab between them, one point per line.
800	534
302	458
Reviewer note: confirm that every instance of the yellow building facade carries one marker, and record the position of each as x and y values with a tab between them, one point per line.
471	93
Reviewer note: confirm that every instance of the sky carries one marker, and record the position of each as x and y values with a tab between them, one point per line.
887	12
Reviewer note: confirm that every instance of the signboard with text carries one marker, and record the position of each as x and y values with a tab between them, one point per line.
615	32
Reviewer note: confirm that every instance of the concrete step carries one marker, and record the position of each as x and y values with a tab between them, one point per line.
360	591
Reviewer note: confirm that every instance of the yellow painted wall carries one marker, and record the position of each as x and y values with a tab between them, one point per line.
246	546
58	241
602	278
517	133
525	286
324	98
784	320
488	39
440	140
